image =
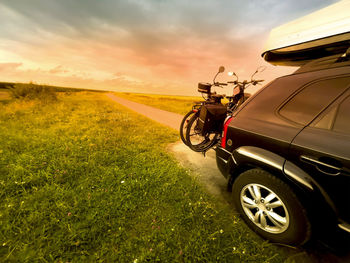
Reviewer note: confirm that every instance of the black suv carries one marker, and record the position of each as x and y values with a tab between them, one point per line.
286	153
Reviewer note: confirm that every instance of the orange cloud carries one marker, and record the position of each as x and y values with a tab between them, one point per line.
9	66
58	69
154	46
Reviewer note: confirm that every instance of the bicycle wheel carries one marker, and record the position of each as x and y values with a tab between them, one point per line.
195	140
184	124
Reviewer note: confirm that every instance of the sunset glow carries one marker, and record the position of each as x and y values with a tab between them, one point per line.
155	46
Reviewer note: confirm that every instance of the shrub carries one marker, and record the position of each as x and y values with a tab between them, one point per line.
32	91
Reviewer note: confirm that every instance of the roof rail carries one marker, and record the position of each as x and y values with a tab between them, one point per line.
334	61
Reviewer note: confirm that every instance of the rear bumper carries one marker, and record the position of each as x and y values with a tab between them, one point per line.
222	160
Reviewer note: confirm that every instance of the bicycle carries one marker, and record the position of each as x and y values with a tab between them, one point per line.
201	139
202	124
239	97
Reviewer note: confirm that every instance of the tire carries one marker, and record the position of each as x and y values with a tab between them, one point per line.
183	125
197	142
277	214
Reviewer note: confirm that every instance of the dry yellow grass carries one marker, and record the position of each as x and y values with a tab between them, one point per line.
4	95
177	104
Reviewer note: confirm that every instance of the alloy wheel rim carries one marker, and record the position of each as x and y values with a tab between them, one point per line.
264	208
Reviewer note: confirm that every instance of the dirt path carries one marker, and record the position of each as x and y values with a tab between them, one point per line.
167	118
203	167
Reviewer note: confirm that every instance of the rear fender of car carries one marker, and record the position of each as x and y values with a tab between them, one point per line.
248	157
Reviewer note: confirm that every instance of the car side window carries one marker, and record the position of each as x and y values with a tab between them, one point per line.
312	99
342	120
327	120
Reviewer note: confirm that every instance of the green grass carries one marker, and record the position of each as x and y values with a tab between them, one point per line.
177	104
9	85
84	180
31	92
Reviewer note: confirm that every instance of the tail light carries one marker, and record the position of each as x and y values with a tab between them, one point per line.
226	124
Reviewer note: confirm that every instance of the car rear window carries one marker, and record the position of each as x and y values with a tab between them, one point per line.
312	99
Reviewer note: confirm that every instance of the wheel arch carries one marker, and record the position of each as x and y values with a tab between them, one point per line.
249	157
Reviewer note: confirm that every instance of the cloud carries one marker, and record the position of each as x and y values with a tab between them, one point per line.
151	24
169	43
58	70
9	66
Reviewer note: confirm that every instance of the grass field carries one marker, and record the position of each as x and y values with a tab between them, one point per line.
4	95
9	85
83	179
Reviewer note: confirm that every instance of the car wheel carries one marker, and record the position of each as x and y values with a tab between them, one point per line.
270	207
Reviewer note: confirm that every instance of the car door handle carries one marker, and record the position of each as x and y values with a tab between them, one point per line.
322	166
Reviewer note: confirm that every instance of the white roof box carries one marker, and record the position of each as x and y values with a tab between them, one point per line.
323	33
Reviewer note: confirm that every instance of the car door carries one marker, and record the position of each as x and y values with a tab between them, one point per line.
322	149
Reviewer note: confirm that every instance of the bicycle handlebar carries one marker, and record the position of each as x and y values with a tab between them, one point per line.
219	84
254	82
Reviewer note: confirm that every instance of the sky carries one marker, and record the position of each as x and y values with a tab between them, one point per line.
144	46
